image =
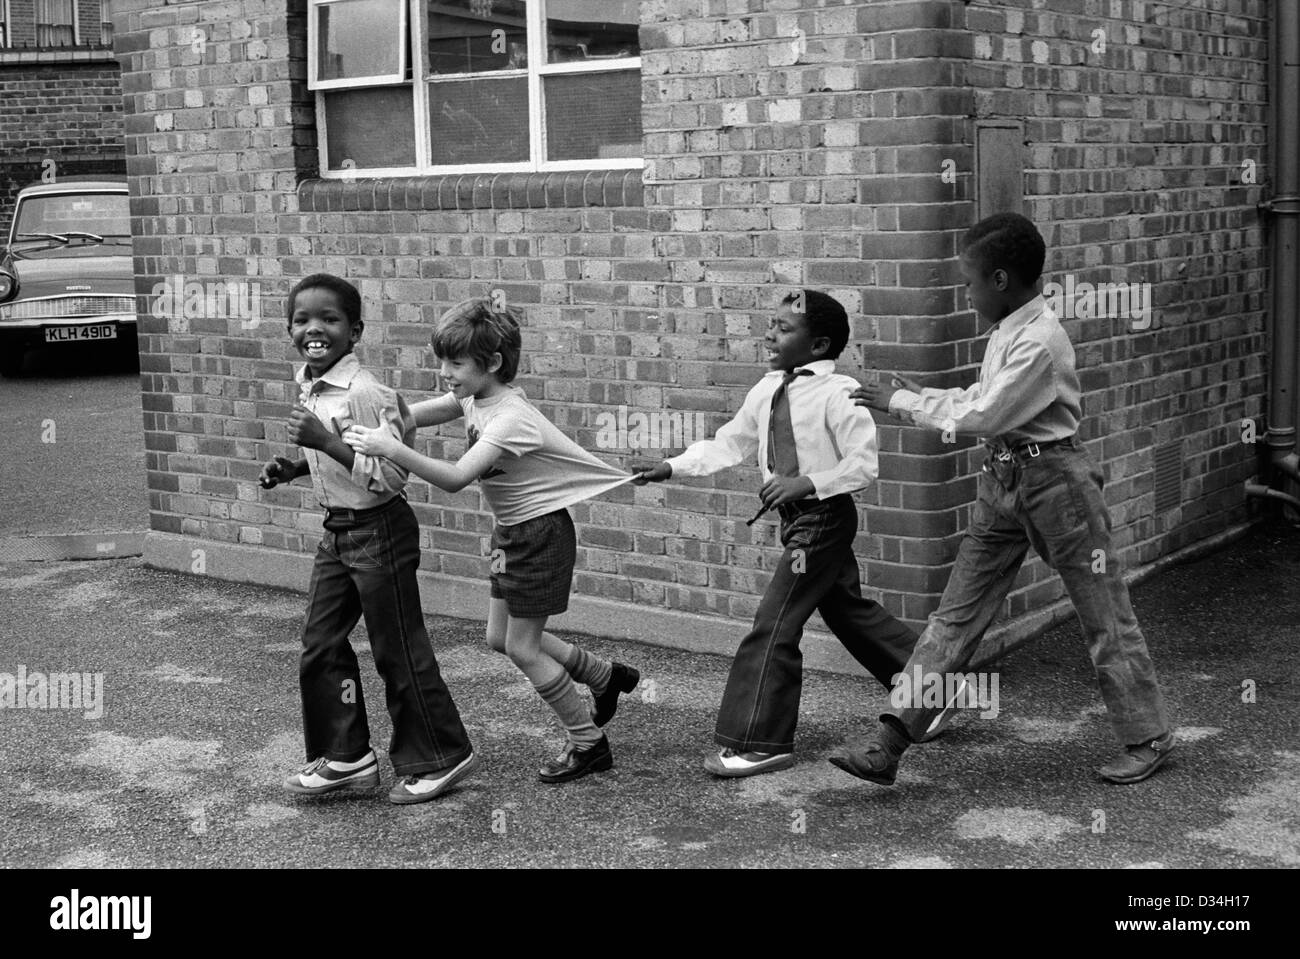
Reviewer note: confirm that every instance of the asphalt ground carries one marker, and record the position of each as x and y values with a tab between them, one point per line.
201	722
73	446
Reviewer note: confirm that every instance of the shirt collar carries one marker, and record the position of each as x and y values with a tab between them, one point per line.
816	368
339	375
1022	316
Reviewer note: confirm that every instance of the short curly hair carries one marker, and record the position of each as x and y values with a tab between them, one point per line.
1006	241
477	328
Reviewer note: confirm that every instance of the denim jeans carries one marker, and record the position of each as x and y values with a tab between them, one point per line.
817	571
1053	502
366	564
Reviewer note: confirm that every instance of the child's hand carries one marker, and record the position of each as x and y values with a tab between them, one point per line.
277	471
372	442
306	430
783	489
653	474
901	383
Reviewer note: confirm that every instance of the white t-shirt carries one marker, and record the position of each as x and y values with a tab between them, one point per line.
540	469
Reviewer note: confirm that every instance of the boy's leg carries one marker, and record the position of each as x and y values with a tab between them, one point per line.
988	559
553	684
760	705
1071	527
865	628
383	556
333	707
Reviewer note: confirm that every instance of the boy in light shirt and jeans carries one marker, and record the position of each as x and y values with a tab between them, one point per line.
1039	487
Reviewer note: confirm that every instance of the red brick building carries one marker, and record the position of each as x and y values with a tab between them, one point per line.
60	96
646	179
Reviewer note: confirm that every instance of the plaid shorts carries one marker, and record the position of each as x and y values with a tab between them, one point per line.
533	572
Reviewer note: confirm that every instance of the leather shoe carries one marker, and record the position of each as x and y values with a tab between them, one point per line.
622	679
870	761
574	763
1140	761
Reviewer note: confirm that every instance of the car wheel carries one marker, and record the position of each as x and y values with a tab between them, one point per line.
11	358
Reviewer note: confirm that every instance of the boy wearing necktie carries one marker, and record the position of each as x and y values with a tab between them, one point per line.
816	448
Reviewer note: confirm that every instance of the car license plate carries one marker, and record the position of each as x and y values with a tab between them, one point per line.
80	334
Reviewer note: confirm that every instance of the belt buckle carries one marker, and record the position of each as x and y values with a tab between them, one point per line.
1033	450
1003	455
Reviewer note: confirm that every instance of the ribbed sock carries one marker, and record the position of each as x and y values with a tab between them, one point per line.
589	669
572	708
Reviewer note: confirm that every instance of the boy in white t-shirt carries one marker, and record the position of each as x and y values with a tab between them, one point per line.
529	472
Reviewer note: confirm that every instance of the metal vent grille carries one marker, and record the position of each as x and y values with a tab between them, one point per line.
1169	477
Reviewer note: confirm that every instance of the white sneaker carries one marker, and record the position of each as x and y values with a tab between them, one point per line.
428	786
326	775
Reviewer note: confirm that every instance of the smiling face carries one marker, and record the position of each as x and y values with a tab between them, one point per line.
320	329
466	377
988	295
788	342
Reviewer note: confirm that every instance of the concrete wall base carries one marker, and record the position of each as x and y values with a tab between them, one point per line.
466	599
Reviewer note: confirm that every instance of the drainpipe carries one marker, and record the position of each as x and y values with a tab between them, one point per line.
1285	265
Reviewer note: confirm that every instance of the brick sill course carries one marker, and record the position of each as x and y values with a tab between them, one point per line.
43	55
474	191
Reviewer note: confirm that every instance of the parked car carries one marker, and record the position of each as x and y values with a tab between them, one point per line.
66	276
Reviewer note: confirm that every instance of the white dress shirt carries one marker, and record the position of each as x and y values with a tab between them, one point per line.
1027	392
835	440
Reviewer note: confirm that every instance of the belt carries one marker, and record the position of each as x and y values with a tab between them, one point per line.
1031	450
798	507
361	515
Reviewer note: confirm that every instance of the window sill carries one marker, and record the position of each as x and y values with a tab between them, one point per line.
474	191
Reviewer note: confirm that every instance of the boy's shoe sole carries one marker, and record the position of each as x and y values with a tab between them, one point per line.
400	795
367	777
716	765
622	679
857	762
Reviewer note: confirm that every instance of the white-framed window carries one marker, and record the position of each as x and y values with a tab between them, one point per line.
449	86
56	23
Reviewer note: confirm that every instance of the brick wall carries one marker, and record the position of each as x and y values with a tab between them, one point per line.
68	112
787	143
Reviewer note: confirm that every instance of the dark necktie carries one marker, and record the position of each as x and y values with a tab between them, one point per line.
782	458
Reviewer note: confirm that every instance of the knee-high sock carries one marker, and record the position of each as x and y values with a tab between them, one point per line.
588	668
572	708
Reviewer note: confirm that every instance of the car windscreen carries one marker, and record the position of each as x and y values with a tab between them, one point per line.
104	214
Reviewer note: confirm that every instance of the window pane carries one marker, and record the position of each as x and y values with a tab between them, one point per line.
591	30
593	115
476	36
479	121
373	127
105	214
359	38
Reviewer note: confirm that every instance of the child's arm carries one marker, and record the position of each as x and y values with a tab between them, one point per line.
439	410
306	430
854	432
734	443
452	478
1019	391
